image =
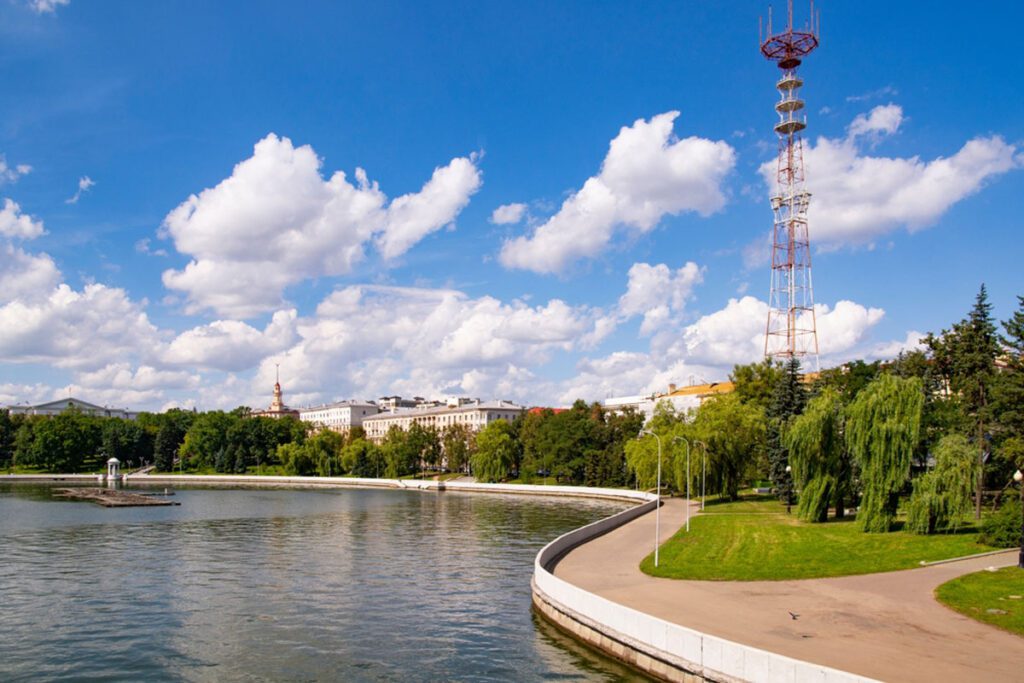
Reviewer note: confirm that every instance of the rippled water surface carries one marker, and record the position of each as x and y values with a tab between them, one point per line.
277	584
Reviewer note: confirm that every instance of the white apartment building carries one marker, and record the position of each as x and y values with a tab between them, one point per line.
680	398
475	414
341	416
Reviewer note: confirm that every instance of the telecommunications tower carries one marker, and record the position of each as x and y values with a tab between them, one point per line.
791	330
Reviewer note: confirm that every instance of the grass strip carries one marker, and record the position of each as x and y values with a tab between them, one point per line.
995	598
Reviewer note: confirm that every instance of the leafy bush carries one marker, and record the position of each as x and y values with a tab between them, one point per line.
1002	529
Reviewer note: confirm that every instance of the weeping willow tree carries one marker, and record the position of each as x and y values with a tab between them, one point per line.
734	432
882	428
942	497
817	455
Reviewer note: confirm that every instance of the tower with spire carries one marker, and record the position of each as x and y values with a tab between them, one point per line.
277	407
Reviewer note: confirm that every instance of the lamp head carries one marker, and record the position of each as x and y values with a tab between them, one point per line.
788	468
1018	476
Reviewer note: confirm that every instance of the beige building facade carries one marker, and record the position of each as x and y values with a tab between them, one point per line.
474	415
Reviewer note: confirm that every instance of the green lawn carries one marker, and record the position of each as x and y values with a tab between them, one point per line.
754	539
986	596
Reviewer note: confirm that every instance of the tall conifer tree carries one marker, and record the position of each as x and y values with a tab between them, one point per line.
1011	387
789	396
974	366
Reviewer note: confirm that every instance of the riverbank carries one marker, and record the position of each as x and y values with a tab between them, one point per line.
873	626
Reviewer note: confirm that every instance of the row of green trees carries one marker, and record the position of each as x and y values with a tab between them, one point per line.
726	441
950	411
933	429
581	445
75	442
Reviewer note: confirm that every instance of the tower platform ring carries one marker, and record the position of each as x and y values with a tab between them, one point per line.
786	48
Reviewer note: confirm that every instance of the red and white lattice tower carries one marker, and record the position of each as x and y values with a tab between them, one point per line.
791	330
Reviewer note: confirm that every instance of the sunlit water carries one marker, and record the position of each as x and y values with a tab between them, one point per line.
278	584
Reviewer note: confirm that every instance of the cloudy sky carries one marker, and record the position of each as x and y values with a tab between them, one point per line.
538	201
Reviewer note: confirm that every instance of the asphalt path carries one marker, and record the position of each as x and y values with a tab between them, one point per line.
886	626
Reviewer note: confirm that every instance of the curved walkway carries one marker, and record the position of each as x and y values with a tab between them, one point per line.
885	626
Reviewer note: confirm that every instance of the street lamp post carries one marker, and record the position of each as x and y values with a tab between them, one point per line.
687	442
657	510
789	489
703	472
1018	477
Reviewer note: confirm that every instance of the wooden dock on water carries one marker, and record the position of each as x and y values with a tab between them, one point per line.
111	498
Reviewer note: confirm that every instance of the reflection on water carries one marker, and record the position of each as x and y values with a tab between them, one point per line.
283	585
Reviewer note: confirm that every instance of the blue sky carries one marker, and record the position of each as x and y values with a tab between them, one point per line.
401	278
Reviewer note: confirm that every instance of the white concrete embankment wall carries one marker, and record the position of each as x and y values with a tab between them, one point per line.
412	484
344	482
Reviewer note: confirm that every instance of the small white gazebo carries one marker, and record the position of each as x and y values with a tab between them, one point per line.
113	469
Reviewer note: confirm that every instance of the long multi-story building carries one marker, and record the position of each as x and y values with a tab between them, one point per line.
341	416
474	414
60	405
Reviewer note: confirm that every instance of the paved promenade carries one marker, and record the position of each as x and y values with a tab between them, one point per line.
885	626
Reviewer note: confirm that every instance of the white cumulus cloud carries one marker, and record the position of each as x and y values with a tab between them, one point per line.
857	198
882	120
647	173
75	329
413	216
707	349
231	345
508	213
24	276
122	376
15	224
371	338
656	292
276	221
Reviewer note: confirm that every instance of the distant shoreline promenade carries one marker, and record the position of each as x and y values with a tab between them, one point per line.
284	481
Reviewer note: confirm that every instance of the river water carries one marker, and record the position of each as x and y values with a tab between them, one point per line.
275	584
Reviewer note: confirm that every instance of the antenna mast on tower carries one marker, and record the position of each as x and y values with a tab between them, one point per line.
792	330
